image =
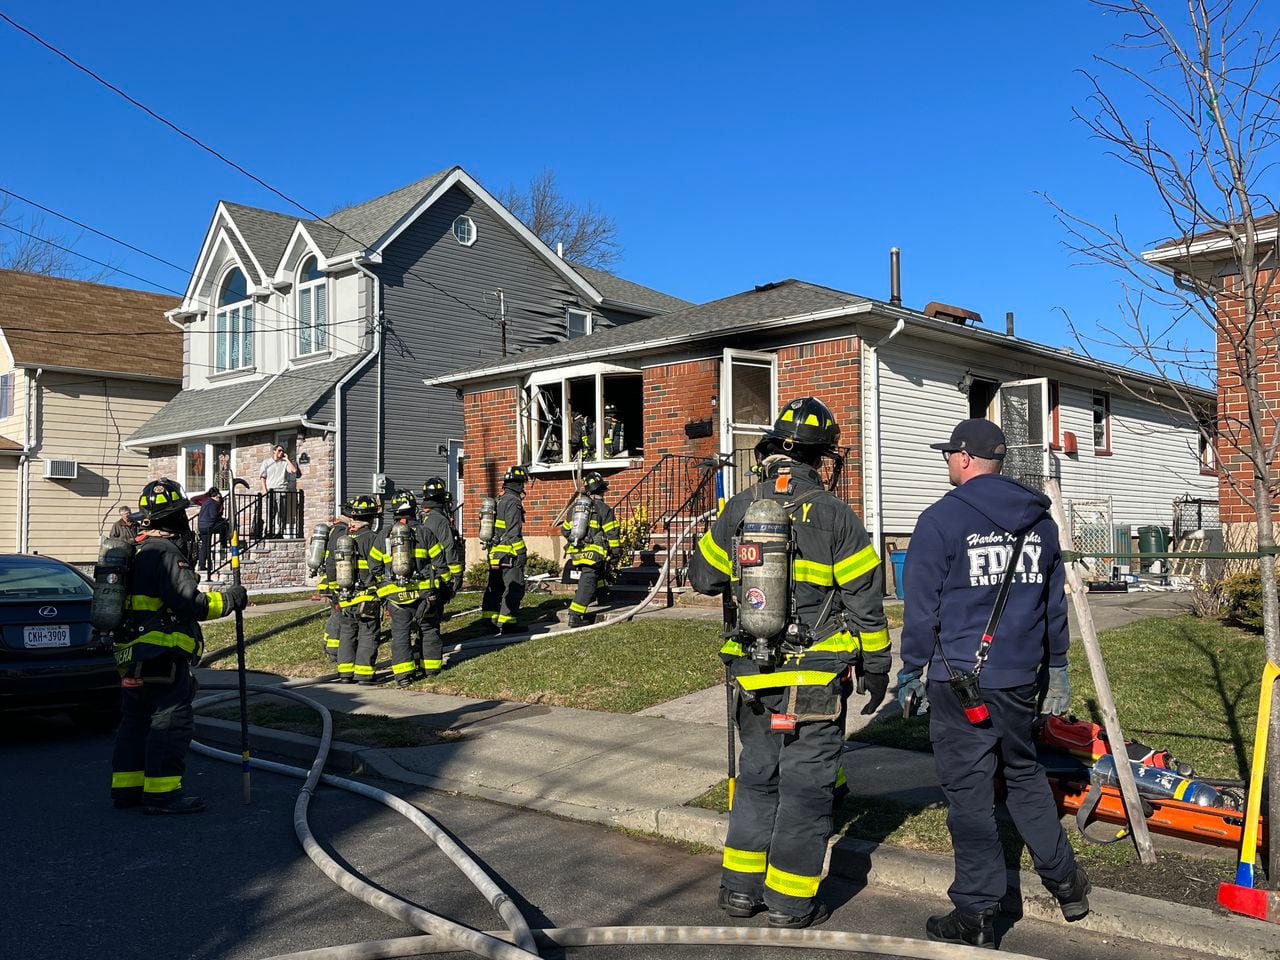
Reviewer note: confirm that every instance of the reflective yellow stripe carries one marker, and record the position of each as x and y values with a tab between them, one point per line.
183	641
842	642
745	861
792	884
215	605
841	779
376	554
358	598
435	551
420	553
612	525
138	601
455	568
362	564
810	571
161	784
860	564
399	668
432	664
577	607
786	678
129	778
712	553
733	648
504	618
876	640
500	524
517	546
332	642
363	670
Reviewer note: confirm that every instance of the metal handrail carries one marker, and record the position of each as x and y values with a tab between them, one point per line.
273	515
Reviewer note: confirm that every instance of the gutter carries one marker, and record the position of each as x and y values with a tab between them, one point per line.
24	477
233	431
377	347
89	372
873	444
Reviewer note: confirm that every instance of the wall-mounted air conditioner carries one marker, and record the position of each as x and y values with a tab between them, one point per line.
59	469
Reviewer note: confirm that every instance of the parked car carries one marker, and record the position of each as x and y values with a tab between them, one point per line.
51	659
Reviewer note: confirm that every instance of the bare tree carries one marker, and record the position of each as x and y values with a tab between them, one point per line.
1190	101
589	235
28	245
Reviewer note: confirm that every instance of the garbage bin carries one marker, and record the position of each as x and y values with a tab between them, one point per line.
1153	540
899	559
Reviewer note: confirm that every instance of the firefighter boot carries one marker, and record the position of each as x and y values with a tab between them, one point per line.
575	620
973	929
1072	894
737	904
789	921
183	804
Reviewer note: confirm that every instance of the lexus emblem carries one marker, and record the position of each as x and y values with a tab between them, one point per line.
48	611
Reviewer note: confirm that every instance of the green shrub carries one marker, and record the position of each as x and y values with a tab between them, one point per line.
1243	600
476	576
540	564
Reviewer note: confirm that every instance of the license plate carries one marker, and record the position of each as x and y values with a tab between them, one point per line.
51	636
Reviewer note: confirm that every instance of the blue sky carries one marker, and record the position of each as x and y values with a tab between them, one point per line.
734	144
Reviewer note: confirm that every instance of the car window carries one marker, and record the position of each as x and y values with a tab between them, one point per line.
22	579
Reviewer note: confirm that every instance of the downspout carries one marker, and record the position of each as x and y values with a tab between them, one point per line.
338	492
28	438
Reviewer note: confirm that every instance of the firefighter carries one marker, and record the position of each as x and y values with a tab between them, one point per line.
436	517
581	433
156	646
614	442
409	563
806	575
507	554
327	584
592	534
359	612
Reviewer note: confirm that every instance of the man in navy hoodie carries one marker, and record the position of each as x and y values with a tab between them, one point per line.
959	552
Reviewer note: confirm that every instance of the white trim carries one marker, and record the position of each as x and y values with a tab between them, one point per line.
1184	250
617	463
590	324
459	176
263	275
301	287
282	275
726	425
571	373
89	371
215	227
475	232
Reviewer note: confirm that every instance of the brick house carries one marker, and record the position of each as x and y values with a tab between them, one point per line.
707	380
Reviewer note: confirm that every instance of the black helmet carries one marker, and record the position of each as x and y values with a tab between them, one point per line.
404	502
805	422
593	482
516	474
162	498
435	490
361	508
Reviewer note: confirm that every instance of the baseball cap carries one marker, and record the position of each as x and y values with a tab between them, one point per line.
978	437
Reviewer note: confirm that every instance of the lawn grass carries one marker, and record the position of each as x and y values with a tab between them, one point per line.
367	729
1184	684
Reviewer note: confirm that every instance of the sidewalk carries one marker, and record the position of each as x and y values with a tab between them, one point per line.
639	771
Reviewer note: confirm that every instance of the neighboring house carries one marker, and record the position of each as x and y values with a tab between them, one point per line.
709	379
82	365
1208	260
319	334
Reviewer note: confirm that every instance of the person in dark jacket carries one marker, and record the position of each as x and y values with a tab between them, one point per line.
126	528
155	649
598	549
211	523
958	556
507	555
436	519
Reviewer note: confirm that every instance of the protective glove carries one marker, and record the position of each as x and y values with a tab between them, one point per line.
234	598
911	692
1057	699
877	686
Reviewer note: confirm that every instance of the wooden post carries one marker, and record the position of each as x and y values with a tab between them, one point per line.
1106	703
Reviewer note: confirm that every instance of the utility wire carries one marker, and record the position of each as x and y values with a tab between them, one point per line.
227	160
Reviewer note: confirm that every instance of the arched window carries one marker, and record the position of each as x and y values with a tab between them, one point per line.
233	326
313	308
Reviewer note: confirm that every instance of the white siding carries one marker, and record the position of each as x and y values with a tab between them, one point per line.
1155	454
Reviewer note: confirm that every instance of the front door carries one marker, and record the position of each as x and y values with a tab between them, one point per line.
1024	415
456	456
748	403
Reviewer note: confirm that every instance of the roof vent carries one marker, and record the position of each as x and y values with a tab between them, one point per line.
945	311
762	287
61	469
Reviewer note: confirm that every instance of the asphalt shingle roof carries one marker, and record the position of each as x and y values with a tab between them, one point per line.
789	298
367	222
44	318
625	291
296	395
266	232
192	411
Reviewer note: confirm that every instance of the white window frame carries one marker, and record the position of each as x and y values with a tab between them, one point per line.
1041	385
527	422
471	224
206	481
307	291
589	325
727	423
235	309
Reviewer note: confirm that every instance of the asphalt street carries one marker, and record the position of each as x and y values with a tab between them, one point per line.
83	880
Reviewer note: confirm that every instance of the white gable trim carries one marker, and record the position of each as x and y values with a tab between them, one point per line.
263	275
459	177
191	304
1208	245
282	275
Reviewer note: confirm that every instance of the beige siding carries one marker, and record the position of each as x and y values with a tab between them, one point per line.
11	427
86	419
8	504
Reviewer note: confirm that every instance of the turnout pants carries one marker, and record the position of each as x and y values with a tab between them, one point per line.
155	729
404	617
332	628
358	642
588	578
781	816
967	758
502	596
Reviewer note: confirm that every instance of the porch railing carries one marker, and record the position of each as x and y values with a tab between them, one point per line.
274	515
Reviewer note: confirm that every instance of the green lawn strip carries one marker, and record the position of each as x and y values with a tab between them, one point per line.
296	651
620	669
1185	685
262	599
367	729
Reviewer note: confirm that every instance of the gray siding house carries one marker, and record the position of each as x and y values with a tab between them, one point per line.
318	335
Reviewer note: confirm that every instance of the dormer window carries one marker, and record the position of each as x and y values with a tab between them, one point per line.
578	323
233	326
313	309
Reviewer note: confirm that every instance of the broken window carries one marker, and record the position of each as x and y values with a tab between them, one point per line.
591	419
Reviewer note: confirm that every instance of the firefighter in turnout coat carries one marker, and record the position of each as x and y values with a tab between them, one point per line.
359	612
436	519
598	548
507	553
791	688
328	585
156	647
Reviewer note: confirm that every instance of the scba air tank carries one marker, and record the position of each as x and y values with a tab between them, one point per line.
344	561
110	584
1158	782
316	547
580	520
764	563
400	542
488	514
